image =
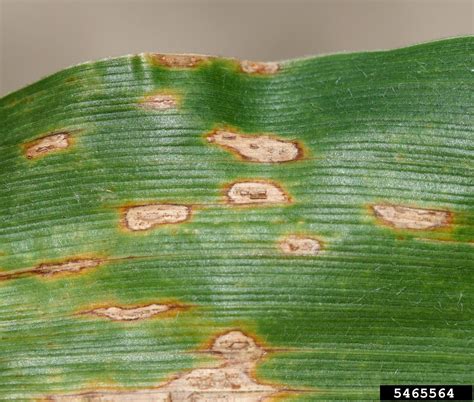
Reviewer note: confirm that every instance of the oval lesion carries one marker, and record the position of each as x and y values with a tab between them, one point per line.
42	146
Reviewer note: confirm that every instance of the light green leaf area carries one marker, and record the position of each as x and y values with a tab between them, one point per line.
378	304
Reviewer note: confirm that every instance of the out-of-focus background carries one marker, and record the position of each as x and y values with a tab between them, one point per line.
40	37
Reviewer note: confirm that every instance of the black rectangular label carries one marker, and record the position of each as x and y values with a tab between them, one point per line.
426	392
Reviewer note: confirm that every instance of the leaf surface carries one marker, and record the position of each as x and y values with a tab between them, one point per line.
131	239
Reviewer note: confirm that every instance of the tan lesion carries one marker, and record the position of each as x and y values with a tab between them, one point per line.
160	101
256	148
299	245
42	146
53	269
179	60
405	217
259	67
145	217
71	266
186	61
256	192
135	313
232	379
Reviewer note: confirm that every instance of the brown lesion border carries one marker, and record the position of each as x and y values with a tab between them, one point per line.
70	138
281	390
175	308
36	271
302	151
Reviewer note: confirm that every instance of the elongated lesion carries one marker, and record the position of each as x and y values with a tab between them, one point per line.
47	270
261	148
135	313
145	217
259	67
179	60
404	217
71	266
160	101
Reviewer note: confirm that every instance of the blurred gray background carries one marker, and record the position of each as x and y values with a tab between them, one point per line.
40	37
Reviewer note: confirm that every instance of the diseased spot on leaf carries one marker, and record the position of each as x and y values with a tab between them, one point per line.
118	313
69	267
218	384
145	217
300	245
402	217
47	144
257	148
179	60
259	67
233	380
160	102
236	347
256	192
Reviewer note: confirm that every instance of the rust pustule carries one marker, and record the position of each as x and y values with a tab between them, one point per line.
179	60
160	101
49	143
256	192
261	148
232	380
259	67
134	313
404	217
300	245
145	217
